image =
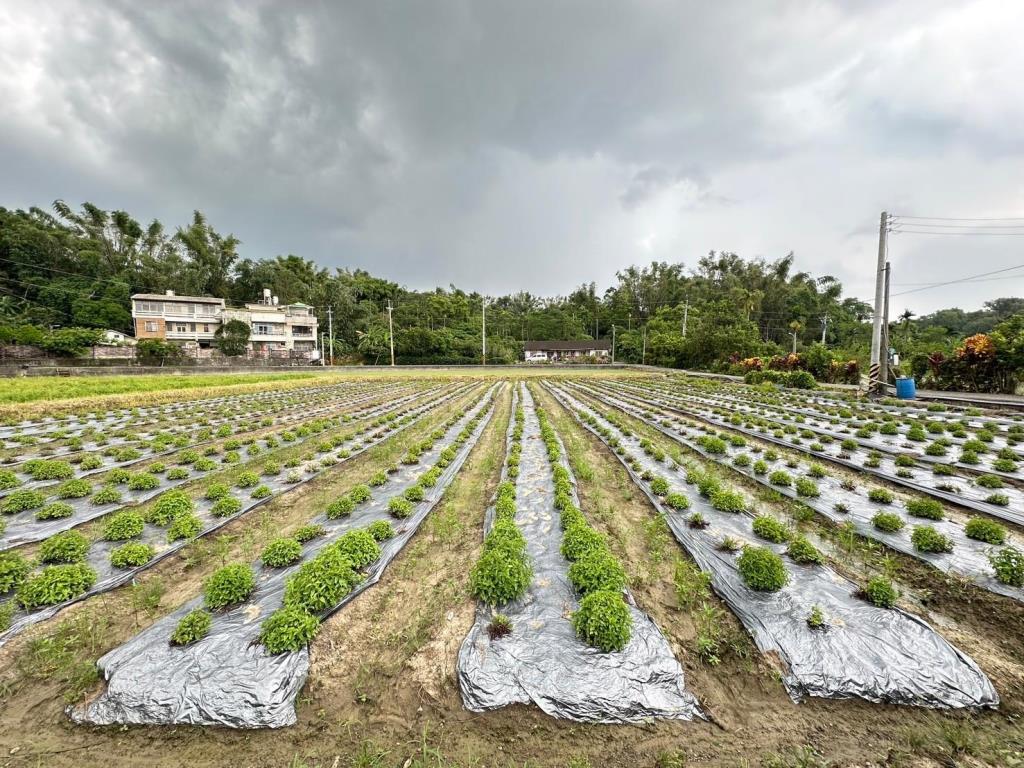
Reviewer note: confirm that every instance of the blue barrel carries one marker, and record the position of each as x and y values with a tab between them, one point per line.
905	388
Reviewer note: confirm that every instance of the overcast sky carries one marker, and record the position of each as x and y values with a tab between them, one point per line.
520	145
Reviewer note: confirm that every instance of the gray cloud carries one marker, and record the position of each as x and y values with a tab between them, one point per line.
531	145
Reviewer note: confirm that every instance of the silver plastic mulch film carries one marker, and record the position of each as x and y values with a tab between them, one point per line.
110	577
968	560
866	652
542	662
227	678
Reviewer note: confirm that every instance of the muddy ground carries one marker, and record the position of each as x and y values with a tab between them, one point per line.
382	688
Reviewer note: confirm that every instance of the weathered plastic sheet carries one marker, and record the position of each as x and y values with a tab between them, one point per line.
542	662
969	558
967	495
23	527
871	653
227	678
110	577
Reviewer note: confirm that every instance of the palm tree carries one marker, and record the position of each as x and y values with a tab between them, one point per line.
796	326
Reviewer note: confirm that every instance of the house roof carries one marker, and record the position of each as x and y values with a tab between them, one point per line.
566	346
176	297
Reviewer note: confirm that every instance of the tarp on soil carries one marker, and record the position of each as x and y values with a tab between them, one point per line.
881	655
542	661
227	678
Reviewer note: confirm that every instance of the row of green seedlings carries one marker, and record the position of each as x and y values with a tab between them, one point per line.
1003	460
503	572
132	450
1007	562
760	567
60	469
905	463
66	575
603	619
239	407
49	508
333	573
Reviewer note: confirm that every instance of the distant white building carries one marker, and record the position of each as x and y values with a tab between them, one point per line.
195	320
553	351
116	339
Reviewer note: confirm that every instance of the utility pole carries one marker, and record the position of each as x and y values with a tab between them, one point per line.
330	331
794	340
643	358
686	315
613	343
876	328
483	332
824	326
884	367
323	358
391	334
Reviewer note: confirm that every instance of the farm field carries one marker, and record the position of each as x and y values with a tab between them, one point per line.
511	567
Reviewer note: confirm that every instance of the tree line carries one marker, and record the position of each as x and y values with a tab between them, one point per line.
67	268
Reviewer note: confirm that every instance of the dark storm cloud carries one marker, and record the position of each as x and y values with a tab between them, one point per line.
531	145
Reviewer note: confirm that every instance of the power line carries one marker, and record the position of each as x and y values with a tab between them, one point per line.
929	232
959	226
960	280
940	218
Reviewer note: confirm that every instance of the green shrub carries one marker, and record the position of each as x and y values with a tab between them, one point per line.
226	507
760	467
998	499
8	480
132	555
185	526
229	585
20	501
261	492
216	491
597	570
816	618
49	469
880	591
55	584
320	583
288	629
381	530
806	488
179	473
358	547
800	550
400	507
108	494
1009	566
64	547
194	625
770	528
378	478
725	500
889	522
603	621
309	532
13	570
359	494
90	462
926	508
659	486
983	529
118	476
927	539
779	477
143	481
248	479
762	569
340	507
990	481
816	471
880	496
281	552
501	574
414	493
168	507
74	489
55	510
677	501
579	540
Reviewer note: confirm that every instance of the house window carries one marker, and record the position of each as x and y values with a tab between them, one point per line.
150	307
206	328
181	328
152	326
